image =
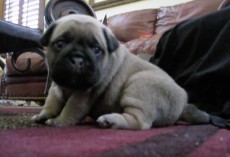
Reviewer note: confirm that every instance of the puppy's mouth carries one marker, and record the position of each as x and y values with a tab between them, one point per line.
75	73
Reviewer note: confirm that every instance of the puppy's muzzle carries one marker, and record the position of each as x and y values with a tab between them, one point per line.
78	62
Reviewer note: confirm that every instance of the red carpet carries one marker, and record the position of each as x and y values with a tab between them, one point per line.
91	141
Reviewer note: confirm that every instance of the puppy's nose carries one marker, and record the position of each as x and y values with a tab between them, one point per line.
76	61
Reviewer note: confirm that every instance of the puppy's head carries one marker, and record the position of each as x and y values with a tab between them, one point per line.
77	46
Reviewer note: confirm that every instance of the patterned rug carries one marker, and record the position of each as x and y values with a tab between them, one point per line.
20	137
13	119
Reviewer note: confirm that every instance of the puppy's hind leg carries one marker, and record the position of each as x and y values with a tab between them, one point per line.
132	118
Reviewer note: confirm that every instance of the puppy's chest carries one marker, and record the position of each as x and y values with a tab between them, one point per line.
108	102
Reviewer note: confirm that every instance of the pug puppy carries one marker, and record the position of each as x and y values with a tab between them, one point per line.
94	75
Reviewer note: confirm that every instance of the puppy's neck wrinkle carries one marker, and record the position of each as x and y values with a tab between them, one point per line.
114	63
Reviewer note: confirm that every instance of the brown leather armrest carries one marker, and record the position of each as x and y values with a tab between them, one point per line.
38	66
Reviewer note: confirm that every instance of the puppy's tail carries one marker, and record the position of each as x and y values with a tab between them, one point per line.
193	115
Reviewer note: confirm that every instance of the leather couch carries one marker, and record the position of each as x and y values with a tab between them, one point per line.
139	30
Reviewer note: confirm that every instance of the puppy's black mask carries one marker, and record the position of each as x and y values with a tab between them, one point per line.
77	61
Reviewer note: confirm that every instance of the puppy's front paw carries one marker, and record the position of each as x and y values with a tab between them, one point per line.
39	118
113	120
58	122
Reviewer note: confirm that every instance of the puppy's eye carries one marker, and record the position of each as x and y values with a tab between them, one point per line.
96	50
60	44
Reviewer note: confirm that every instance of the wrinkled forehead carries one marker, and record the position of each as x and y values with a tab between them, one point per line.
84	29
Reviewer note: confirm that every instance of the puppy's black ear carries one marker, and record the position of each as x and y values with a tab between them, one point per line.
111	41
45	39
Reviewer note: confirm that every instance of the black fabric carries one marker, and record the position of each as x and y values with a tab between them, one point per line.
15	37
196	53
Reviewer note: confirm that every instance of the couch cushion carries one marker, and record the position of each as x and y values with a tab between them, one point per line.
143	45
131	25
169	16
